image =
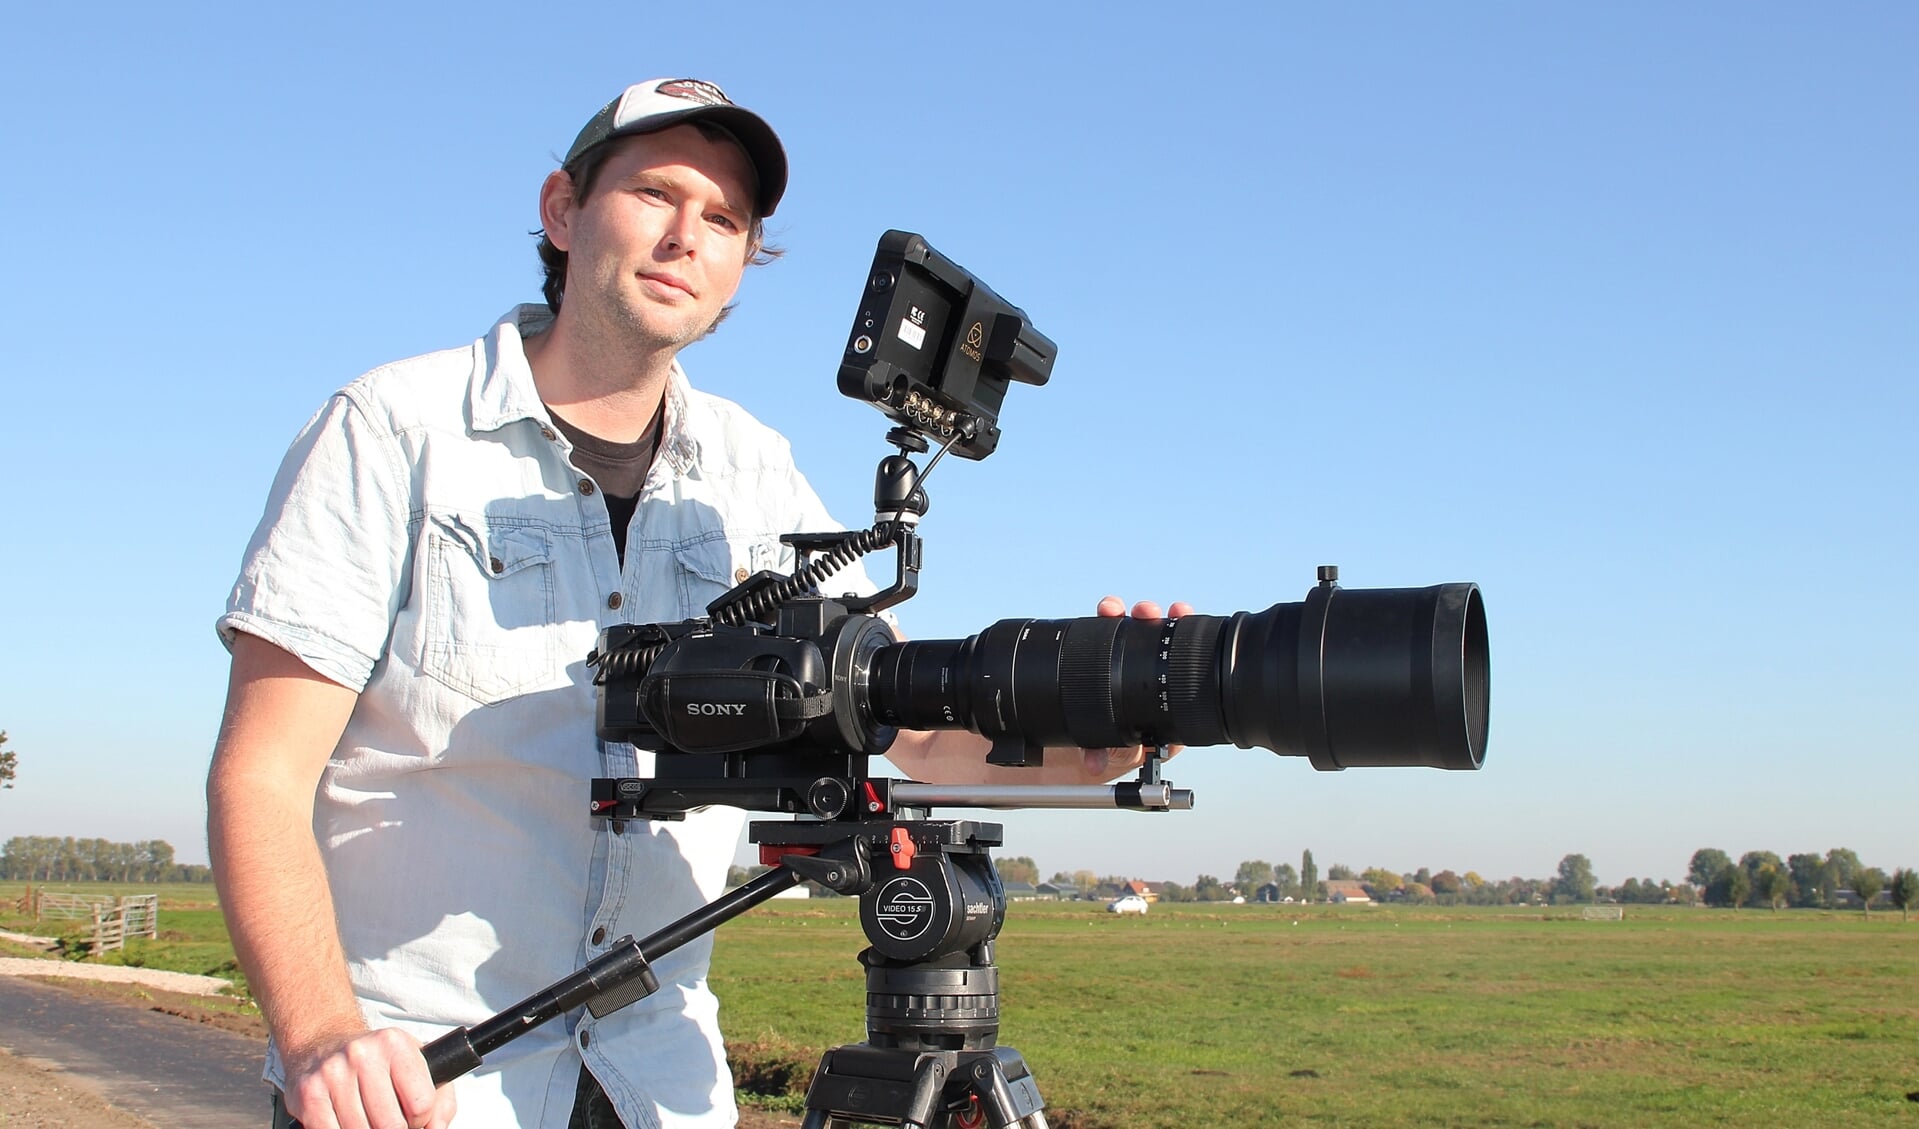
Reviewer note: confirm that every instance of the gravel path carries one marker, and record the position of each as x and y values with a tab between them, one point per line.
147	977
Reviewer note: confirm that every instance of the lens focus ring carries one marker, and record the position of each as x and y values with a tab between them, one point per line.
1192	682
1086	681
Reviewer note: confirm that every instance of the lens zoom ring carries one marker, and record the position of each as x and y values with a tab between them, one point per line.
1086	681
1192	681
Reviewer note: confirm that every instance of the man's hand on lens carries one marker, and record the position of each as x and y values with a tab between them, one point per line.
365	1080
1110	764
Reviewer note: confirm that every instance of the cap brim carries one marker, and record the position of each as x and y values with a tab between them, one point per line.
762	145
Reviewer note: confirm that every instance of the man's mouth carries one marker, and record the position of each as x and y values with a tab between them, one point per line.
668	281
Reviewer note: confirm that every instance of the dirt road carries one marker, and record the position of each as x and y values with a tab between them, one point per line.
74	1060
92	1056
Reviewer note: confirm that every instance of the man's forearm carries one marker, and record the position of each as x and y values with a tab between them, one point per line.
279	908
282	723
951	756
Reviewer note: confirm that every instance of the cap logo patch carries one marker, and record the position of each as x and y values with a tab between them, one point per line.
693	90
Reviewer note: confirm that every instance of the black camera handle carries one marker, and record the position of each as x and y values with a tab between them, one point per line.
620	976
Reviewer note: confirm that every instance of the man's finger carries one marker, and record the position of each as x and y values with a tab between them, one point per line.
1112	606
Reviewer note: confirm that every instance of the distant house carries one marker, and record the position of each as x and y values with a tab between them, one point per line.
1267	893
1058	891
1346	890
1021	892
1847	899
1147	890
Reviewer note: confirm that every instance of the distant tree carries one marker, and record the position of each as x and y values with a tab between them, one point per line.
1867	882
1730	887
1085	881
1381	881
1905	891
1287	879
1308	876
1207	888
1445	883
1575	881
1686	893
1753	862
1809	884
1252	874
1340	872
1706	864
1841	865
1472	878
1774	885
1422	877
9	762
1019	869
1174	892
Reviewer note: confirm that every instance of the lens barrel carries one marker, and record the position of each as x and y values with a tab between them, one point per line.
1346	677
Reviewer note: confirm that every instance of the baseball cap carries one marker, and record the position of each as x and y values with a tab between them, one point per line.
656	104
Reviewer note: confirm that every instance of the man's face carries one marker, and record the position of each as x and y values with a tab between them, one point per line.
657	249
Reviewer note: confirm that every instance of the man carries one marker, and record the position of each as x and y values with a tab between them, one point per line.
396	804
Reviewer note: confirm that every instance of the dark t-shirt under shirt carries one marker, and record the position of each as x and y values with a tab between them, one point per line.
619	469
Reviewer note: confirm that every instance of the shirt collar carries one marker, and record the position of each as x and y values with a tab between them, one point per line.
501	390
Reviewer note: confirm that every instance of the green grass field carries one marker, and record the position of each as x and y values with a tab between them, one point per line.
1352	1016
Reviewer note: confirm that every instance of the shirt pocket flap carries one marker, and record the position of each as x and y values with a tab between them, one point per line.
710	560
709	568
512	548
488	621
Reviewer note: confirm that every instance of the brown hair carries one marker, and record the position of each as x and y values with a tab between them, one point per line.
585	171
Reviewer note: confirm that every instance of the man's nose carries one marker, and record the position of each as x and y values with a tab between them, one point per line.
682	232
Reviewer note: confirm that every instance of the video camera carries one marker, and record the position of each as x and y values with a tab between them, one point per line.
775	700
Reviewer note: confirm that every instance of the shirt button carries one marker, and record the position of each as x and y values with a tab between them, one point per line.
586	486
586	1039
546	432
739	574
615	600
619	827
494	564
599	935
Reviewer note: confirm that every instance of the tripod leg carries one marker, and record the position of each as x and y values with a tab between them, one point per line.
1034	1120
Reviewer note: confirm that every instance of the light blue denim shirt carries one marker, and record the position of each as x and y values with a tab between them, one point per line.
429	543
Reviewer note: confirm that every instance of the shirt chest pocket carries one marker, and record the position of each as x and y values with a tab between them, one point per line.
707	569
489	630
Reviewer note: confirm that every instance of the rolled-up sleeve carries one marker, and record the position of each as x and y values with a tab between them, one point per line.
325	572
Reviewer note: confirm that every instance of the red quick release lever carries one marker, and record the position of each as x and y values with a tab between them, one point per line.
903	849
873	804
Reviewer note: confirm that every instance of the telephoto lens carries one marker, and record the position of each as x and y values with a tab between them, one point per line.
1345	678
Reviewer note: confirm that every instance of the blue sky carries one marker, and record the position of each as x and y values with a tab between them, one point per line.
1612	309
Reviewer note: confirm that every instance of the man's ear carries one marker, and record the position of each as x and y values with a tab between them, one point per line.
556	208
